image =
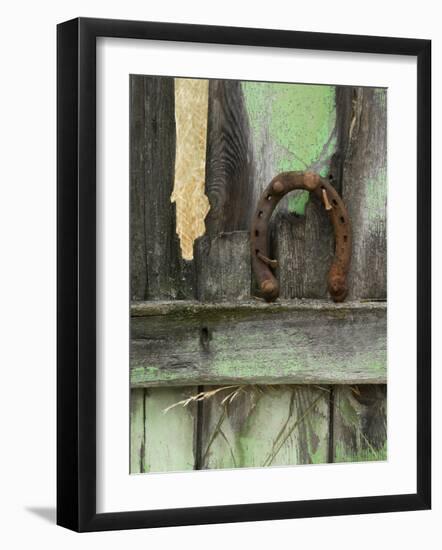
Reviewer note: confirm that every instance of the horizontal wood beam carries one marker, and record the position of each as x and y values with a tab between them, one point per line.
288	342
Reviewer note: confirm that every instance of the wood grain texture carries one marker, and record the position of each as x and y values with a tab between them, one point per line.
137	441
138	252
157	270
169	436
364	189
287	238
304	248
229	173
254	132
158	442
265	426
161	440
360	423
286	342
223	267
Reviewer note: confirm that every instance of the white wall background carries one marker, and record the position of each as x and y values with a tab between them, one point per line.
27	277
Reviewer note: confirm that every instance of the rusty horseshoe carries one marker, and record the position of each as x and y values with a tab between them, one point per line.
277	188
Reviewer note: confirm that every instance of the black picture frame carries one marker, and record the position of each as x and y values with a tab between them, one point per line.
76	274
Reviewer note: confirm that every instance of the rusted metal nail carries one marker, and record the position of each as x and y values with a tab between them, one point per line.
267	286
278	187
311	181
267	261
327	205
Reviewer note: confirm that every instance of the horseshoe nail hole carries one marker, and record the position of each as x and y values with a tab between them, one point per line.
260	213
345	238
256	232
330	177
256	251
342	219
335	202
269	197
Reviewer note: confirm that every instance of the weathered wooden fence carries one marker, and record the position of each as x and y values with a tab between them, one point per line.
304	379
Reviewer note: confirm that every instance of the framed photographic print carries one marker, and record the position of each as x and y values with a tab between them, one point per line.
234	207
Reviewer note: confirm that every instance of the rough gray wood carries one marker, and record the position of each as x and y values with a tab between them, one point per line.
229	165
360	423
288	342
288	248
223	266
364	191
157	270
304	248
138	253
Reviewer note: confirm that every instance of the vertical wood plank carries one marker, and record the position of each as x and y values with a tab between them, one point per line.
319	250
360	423
169	436
364	190
303	247
229	173
287	237
223	266
159	442
137	443
157	269
266	426
138	253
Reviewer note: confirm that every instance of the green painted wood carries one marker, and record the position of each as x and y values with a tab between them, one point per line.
137	442
265	426
253	342
293	128
169	436
360	423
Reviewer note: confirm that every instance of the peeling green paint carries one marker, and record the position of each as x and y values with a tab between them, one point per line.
276	365
299	117
162	442
298	202
274	431
366	454
294	126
